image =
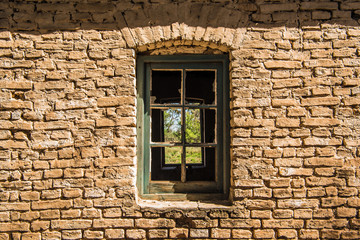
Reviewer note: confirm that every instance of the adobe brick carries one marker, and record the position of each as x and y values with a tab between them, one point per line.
51	125
240	223
260	204
239	193
286	142
74	104
330	234
248	122
283	223
351	101
249	183
199	233
27	216
250	102
264	233
283	213
262	192
332	202
323	162
315	141
262	214
288	162
287	122
284	102
320	101
323	213
344	212
258	44
325	181
350	234
349	5
320	122
50	214
298	203
72	234
283	64
320	224
309	234
15	104
280	182
286	172
23	85
51	204
286	233
179	233
251	142
303	213
219	233
321	112
71	224
328	172
113	223
320	15
93	234
158	233
114	233
269	8
317	45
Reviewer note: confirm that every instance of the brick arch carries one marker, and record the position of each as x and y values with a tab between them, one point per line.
153	37
217	23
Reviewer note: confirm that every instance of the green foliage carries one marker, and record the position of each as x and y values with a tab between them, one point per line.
192	123
172	133
172	125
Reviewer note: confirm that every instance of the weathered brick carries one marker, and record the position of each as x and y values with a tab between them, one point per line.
71	224
241	234
239	223
283	223
298	203
114	233
14	227
113	223
323	162
309	234
287	122
316	141
74	104
51	204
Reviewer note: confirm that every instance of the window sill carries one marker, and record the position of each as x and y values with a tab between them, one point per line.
183	205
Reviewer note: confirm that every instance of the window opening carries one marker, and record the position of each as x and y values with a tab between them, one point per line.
184	125
181	123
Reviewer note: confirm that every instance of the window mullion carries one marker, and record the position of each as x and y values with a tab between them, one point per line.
183	155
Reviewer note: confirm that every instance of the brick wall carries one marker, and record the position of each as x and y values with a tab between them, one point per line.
68	125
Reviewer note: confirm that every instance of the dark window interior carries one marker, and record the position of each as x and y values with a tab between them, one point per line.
183	125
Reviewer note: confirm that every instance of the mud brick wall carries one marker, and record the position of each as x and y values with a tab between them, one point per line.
68	118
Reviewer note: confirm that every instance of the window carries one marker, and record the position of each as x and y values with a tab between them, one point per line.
182	127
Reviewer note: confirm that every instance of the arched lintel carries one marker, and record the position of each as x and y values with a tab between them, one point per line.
180	35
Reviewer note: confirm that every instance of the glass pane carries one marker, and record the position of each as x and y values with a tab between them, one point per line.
172	125
173	155
161	171
166	125
200	87
165	87
209	126
193	126
206	170
193	155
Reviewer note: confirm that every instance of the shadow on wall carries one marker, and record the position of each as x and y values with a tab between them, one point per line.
39	17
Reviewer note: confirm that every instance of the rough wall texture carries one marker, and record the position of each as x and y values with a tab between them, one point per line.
68	126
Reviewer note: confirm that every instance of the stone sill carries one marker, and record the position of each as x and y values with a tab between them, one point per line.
184	205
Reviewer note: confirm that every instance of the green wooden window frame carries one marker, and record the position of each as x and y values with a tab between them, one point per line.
181	190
